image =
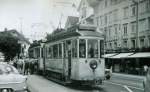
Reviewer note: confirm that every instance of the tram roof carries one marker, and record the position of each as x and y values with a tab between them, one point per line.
68	34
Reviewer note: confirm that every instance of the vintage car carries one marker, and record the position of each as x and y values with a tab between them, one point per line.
11	80
146	83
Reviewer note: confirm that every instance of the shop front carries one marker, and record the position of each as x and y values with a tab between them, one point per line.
128	63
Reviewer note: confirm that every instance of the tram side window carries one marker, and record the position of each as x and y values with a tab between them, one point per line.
82	48
92	48
50	52
60	51
64	45
38	50
101	48
74	48
55	51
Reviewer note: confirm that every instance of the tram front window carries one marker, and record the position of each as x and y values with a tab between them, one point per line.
82	48
92	48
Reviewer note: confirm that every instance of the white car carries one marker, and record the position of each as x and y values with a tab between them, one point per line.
11	80
146	82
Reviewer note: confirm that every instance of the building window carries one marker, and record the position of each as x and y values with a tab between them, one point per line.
147	5
110	45
115	15
125	43
84	12
125	29
149	41
133	11
133	27
126	12
110	17
102	47
115	45
133	43
113	2
115	27
149	23
106	3
142	42
110	32
142	7
97	21
105	33
105	19
100	20
142	25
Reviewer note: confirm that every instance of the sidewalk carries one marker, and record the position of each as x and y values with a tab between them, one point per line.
127	79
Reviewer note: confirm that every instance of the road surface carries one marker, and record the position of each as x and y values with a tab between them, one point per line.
40	84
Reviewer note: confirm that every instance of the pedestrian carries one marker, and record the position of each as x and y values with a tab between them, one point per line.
15	64
26	67
32	67
145	69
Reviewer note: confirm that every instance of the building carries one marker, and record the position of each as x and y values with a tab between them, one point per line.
86	13
24	42
127	33
71	21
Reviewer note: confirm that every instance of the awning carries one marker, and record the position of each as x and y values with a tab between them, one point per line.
109	55
121	55
140	55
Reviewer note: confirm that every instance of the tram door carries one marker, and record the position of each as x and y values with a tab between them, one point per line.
69	58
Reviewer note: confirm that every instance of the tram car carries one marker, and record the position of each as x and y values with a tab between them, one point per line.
75	55
36	56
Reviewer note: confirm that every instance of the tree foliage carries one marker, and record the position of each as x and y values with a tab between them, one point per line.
9	45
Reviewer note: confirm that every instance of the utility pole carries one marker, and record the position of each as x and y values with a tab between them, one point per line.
21	25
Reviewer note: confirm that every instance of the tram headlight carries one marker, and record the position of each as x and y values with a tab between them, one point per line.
93	64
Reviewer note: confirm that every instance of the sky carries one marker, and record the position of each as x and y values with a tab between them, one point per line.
35	18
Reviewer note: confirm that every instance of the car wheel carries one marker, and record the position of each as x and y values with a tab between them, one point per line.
7	90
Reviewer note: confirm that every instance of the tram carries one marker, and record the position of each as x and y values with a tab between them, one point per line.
36	56
75	55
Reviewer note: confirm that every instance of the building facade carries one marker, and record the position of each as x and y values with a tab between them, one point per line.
126	26
86	13
71	21
24	42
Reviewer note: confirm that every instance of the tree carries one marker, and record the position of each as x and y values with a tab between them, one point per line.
9	45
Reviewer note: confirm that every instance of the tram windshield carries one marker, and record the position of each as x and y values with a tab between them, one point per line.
92	48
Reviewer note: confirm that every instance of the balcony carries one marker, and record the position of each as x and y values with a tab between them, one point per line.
133	35
125	36
93	2
144	33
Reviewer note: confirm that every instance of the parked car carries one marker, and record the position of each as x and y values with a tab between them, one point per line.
146	83
108	74
11	80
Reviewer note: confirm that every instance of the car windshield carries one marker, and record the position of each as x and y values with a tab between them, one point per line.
7	69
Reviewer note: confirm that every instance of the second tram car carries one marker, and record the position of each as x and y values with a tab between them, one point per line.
75	56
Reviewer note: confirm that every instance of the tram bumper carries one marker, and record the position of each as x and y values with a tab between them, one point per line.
94	82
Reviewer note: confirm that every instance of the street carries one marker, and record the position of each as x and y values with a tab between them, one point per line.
40	84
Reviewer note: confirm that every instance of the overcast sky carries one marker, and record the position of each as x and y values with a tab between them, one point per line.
35	17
